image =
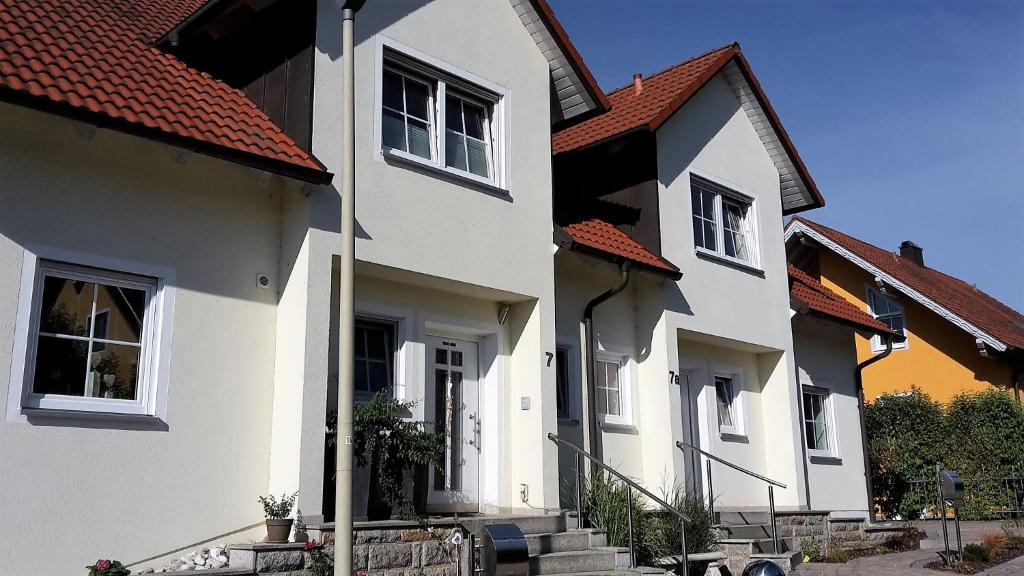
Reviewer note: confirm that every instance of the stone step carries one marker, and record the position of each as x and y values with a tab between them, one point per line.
569	541
575	562
739	518
537	524
762	545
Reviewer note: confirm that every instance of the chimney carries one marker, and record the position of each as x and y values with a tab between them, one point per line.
638	84
912	252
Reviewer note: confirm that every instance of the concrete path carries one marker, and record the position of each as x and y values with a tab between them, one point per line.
904	564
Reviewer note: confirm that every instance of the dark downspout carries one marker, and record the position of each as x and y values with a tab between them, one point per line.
859	379
595	447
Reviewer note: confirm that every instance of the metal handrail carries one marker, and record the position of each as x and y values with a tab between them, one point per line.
711	495
731	465
630	486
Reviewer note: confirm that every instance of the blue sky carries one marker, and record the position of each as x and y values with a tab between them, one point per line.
909	115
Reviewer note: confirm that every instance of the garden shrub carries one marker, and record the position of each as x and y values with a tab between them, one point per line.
655	531
977	553
905	440
979	434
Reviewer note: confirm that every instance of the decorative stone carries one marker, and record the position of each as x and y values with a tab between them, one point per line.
393	556
377	536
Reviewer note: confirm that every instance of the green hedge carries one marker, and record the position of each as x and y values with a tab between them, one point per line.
980	435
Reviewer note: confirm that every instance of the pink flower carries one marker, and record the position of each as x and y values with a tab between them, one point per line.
102	565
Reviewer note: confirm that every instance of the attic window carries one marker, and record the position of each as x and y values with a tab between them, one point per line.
723	222
888	312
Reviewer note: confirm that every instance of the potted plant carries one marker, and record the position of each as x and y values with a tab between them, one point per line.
108	568
279	525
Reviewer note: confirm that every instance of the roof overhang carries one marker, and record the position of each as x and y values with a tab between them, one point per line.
796	227
575	87
565	241
287	169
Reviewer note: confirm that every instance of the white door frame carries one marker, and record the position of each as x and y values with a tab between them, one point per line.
491	357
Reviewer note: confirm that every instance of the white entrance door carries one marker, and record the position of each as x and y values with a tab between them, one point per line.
454	401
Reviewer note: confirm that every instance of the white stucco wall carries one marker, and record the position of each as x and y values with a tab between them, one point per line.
77	490
711	135
431	230
826	357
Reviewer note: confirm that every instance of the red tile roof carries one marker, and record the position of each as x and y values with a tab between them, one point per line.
607	240
820	299
95	60
663	92
959	298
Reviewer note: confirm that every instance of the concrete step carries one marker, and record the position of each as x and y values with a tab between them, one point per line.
738	518
538	524
569	541
787	561
580	561
764	545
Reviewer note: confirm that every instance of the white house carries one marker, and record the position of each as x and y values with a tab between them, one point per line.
169	240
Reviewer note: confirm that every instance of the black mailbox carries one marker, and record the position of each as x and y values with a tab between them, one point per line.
505	552
951	486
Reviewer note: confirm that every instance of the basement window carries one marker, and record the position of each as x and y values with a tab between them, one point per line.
723	222
440	118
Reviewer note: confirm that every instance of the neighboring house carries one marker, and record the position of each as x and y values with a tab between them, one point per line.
168	240
675	198
958	338
824	328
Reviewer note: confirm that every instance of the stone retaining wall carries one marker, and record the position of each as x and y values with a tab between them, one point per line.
399	548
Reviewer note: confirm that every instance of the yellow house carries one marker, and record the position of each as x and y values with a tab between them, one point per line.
958	338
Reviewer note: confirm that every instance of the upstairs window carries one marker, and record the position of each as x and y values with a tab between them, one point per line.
888	312
723	223
406	118
432	116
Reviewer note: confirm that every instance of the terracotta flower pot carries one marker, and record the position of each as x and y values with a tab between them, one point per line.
278	529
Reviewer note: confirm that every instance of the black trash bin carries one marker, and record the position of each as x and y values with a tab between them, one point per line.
505	552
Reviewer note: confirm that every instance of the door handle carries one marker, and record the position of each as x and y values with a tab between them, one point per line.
475	441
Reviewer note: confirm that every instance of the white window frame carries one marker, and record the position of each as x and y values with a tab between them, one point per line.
495	99
722	190
830	421
568	413
737	409
155	357
625	418
877	344
362	396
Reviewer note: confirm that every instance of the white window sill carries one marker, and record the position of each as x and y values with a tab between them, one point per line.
706	254
93	418
732	436
617	426
392	156
895	347
824	458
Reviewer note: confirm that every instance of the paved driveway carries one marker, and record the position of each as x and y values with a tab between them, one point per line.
905	563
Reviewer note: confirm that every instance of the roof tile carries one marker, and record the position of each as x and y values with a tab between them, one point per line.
606	238
108	66
822	300
961	298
